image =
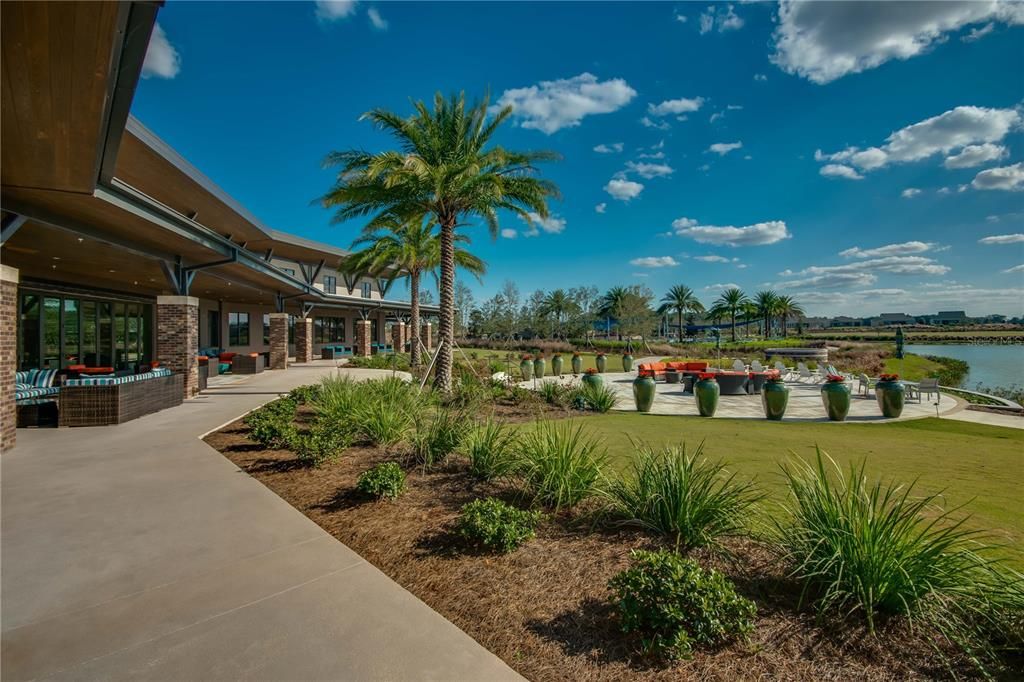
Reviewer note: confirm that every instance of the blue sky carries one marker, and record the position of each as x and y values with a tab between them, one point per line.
862	157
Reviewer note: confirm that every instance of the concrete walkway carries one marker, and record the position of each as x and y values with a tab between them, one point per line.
138	552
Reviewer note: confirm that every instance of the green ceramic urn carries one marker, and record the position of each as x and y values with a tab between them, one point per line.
835	396
890	397
627	363
593	380
643	393
774	399
706	391
577	364
556	365
526	369
538	368
600	362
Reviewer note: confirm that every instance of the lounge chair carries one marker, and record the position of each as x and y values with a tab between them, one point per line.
865	384
784	371
805	373
929	386
756	366
739	366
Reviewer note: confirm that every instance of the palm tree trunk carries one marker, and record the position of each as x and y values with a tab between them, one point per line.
680	312
443	374
414	314
732	315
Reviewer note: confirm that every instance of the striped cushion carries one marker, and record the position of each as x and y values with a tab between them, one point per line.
25	376
44	378
36	392
118	381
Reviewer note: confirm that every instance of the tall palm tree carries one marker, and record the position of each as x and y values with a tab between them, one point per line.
412	247
559	304
445	168
766	301
749	312
787	309
680	299
732	300
609	303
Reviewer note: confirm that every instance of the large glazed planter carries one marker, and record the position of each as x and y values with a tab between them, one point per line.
835	396
774	399
643	393
627	363
593	380
526	369
706	392
577	364
600	362
538	368
890	398
556	366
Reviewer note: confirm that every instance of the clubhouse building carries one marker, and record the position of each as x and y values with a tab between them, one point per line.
121	263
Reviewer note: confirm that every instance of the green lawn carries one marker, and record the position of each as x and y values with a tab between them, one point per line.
979	466
912	367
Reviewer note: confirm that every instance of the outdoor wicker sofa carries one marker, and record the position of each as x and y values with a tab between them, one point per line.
247	364
99	401
335	352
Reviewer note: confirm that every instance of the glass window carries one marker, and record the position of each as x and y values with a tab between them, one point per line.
238	329
318	330
266	329
120	337
89	345
106	335
131	325
51	333
291	329
213	328
29	337
330	284
366	289
70	332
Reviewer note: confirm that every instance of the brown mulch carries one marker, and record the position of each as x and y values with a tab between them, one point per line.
544	609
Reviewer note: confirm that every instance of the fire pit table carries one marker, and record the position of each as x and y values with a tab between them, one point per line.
732	383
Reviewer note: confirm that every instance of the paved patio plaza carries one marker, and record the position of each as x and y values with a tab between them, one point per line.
804	401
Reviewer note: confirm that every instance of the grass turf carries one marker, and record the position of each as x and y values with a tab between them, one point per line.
974	465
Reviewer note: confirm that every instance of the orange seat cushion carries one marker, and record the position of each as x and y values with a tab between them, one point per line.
226	356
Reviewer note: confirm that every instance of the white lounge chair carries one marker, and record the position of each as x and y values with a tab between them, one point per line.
864	385
928	387
805	373
739	366
756	366
784	371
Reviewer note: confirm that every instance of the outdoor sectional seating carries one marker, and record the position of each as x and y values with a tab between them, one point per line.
246	364
335	352
656	370
103	400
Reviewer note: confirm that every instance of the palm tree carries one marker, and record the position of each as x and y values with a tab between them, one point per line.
787	309
680	299
732	300
444	168
608	304
749	312
414	247
559	304
766	301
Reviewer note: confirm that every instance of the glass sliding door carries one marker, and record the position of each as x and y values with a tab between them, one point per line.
90	355
106	334
29	333
51	333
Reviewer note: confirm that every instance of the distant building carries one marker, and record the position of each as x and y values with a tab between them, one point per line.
889	319
949	317
817	322
844	321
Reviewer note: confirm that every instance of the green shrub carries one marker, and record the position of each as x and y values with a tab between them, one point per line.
553	393
585	397
674	605
271	425
381	412
323	443
561	467
395	361
874	551
302	395
381	425
439	435
490	448
684	497
468	394
495	525
384	481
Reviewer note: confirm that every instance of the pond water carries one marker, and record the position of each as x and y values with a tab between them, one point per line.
989	365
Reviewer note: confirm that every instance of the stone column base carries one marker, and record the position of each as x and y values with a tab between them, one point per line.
303	339
279	341
177	338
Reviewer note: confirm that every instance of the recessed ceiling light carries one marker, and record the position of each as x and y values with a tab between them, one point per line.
111	271
56	258
80	240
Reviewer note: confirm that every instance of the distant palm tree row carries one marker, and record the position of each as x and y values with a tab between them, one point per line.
766	305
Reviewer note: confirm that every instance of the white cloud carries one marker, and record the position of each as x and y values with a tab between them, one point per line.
332	10
823	41
551	224
1007	178
975	155
722	19
553	105
910	192
649	170
681	18
1015	268
758	234
721	287
656	155
675	106
376	20
509	233
715	259
623	190
902	249
723	148
760	77
835	170
830	281
895	265
1002	239
882	292
613	148
654	262
716	116
734	107
648	122
601	208
162	60
965	127
979	33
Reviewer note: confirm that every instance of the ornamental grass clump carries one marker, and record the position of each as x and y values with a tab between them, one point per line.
384	411
673	605
686	498
560	466
497	526
491	450
438	435
385	481
873	551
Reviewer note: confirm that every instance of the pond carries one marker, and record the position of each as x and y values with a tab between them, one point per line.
990	365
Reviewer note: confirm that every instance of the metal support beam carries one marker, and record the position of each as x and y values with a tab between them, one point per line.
269	254
384	284
307	308
212	264
350	282
278	303
316	272
179	279
11	224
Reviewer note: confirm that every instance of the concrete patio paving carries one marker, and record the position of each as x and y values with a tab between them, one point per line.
138	552
804	401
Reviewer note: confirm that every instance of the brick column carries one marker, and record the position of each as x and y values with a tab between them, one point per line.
278	340
8	356
426	338
398	336
177	338
362	346
303	339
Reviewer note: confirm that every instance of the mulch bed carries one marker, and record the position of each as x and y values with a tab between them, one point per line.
544	609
